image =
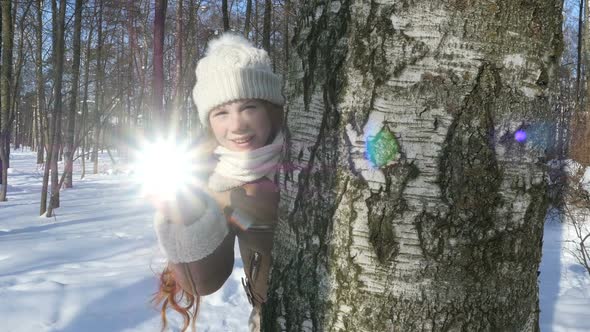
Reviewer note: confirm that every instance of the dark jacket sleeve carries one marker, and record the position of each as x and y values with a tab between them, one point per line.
207	275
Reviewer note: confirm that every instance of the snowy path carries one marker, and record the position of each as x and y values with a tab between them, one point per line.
92	267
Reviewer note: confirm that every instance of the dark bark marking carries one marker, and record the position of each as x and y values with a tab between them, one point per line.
385	206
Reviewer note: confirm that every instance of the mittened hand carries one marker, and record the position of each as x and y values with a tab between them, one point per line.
189	207
257	201
222	198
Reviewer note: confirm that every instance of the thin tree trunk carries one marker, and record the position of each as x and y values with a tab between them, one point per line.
83	174
176	120
158	76
47	125
72	109
131	79
248	18
408	200
16	130
192	49
225	15
267	25
5	94
256	30
45	144
35	143
83	121
141	68
99	99
286	32
58	55
30	130
40	96
41	148
579	58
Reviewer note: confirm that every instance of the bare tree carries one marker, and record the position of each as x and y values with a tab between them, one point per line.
55	127
43	122
72	109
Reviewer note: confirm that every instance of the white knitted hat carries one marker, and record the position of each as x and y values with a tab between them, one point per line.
234	69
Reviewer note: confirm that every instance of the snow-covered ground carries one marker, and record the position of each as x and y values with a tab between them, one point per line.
93	266
565	284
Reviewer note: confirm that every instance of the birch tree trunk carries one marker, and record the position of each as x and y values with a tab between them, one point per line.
411	200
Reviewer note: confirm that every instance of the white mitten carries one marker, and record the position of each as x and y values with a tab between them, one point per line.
191	228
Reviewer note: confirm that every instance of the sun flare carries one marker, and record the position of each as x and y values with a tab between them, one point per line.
165	169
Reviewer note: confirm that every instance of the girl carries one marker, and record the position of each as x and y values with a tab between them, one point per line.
239	101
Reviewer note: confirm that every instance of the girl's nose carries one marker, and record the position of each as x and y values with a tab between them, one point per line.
237	123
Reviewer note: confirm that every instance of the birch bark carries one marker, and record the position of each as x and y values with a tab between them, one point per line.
410	200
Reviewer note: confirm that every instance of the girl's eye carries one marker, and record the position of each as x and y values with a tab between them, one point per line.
250	107
219	113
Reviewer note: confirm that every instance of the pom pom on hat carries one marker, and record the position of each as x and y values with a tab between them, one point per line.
233	69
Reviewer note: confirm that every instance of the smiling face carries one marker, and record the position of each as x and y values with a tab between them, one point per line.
241	125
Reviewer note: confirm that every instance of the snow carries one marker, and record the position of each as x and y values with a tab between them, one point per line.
93	266
564	284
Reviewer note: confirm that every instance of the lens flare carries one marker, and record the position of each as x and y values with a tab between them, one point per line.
164	169
520	135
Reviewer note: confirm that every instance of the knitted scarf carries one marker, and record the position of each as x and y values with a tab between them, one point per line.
236	168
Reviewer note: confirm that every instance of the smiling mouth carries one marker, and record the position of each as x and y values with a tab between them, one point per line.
243	141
